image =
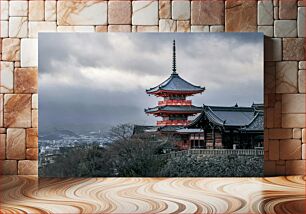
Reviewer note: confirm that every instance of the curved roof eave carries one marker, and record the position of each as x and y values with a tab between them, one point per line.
165	83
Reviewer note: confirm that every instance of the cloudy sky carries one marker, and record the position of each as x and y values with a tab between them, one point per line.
100	79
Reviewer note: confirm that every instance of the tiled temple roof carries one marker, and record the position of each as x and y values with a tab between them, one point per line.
248	117
176	84
184	109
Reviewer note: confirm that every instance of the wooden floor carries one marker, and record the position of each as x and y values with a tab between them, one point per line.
154	195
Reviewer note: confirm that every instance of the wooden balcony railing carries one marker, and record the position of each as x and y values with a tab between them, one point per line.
175	102
214	152
173	122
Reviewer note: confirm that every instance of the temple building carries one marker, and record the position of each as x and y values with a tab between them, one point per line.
213	127
220	127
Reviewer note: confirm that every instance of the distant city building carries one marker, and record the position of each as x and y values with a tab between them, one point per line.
213	127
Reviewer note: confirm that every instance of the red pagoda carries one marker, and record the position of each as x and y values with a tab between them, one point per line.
174	108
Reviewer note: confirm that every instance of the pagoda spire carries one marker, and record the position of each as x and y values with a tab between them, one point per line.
174	59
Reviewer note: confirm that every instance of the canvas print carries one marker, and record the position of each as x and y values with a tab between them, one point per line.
151	105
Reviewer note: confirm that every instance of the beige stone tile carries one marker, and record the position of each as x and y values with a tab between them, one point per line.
15	143
301	22
287	9
2	146
301	3
266	145
269	116
302	65
18	8
25	80
239	16
207	12
27	167
304	135
29	53
17	110
180	10
303	151
35	101
145	13
216	28
285	28
134	28
273	49
278	134
167	25
269	100
278	114
32	154
269	168
297	133
32	138
2	130
34	118
37	26
200	28
301	81
147	28
17	64
286	77
273	150
281	163
269	77
8	167
50	10
183	26
4	29
18	27
266	155
36	10
266	30
290	149
265	12
119	28
164	9
1	110
119	12
4	10
101	28
280	170
6	77
293	49
89	12
293	103
295	167
11	49
293	120
275	13
75	29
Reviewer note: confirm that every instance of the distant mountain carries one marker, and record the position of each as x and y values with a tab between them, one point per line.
81	128
57	135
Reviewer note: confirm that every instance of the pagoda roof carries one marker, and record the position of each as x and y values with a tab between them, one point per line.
169	128
230	116
182	109
175	84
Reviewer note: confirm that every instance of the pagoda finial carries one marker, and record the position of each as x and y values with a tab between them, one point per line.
174	59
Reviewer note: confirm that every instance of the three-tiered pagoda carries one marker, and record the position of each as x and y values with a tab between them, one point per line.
174	108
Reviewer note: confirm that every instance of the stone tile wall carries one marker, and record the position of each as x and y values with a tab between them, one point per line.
282	21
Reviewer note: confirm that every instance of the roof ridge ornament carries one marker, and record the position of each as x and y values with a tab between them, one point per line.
174	59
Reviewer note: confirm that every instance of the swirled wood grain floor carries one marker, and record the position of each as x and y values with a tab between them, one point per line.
27	194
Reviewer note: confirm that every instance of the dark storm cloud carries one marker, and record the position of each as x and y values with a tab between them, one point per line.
101	78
